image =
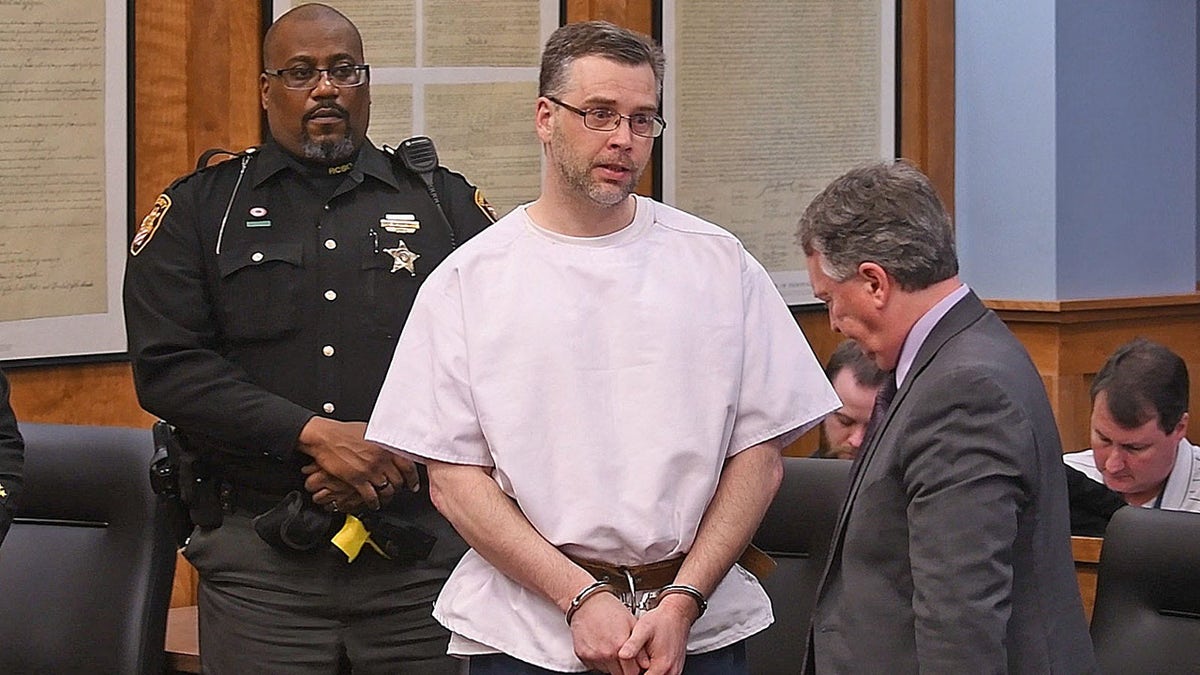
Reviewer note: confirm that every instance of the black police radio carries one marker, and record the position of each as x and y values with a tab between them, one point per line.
419	156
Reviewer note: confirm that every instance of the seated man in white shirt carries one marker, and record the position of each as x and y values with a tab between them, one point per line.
1139	422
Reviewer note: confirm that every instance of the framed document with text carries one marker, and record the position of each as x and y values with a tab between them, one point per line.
64	177
464	73
766	102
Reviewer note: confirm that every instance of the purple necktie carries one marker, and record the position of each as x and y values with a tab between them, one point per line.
883	400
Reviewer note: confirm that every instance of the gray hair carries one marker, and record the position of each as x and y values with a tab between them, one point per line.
596	38
886	213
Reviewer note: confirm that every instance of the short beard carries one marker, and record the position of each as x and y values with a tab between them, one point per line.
604	194
578	175
328	152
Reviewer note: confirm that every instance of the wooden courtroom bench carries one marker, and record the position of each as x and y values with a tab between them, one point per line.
1086	551
183	640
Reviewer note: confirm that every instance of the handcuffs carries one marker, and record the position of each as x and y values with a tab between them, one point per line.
649	600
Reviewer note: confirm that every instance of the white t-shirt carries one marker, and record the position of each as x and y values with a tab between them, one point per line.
606	380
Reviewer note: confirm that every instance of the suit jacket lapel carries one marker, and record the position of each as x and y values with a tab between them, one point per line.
963	314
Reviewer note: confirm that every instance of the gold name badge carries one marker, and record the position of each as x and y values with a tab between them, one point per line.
400	223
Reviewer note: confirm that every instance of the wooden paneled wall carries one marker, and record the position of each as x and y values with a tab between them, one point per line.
927	90
1070	340
196	86
93	393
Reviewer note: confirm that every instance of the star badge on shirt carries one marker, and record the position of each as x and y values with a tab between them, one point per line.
402	258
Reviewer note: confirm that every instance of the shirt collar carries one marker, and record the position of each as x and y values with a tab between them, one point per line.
921	330
1175	491
371	161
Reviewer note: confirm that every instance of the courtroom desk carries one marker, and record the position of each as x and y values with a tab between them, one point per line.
1086	551
183	640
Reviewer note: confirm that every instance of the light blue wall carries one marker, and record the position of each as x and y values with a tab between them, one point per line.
1126	147
1004	145
1076	157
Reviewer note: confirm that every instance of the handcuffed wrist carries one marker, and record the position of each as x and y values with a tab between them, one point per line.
684	589
587	592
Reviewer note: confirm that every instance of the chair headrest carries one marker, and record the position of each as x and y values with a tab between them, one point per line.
803	513
83	472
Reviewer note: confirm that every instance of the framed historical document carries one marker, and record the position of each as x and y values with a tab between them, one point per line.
64	177
766	102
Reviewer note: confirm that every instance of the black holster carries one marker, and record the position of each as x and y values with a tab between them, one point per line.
166	481
401	540
188	477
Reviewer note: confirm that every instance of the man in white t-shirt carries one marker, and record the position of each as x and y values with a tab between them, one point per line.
601	386
1139	426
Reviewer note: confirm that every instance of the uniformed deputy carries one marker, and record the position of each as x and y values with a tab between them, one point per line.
12	456
263	300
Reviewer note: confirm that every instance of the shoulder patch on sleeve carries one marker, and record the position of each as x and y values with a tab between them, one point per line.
484	206
150	224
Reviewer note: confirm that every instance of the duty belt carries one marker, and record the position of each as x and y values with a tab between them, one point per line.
658	574
235	498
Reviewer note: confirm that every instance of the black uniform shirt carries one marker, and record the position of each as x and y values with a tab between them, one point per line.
257	295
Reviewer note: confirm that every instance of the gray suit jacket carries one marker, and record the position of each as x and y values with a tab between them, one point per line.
952	552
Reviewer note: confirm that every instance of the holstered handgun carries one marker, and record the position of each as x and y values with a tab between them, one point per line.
164	480
180	474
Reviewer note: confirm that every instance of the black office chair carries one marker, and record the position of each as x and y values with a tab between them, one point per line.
796	531
1147	613
87	568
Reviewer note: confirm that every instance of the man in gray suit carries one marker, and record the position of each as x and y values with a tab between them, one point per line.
952	551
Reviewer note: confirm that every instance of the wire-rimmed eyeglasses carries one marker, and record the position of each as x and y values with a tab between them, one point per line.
646	125
308	77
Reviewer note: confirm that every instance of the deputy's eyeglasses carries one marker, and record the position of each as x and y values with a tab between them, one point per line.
308	77
603	119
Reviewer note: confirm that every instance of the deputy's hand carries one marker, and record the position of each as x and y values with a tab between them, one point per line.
659	640
327	490
340	450
599	628
332	493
